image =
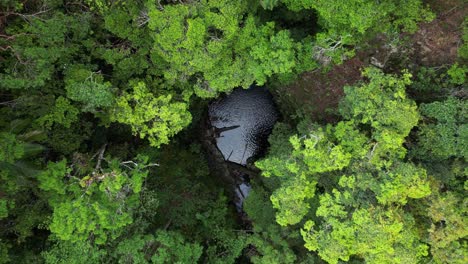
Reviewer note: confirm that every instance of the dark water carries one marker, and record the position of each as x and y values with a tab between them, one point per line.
245	119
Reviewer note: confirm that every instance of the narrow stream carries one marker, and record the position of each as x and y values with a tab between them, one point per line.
242	122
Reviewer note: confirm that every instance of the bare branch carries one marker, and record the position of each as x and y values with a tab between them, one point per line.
10	103
131	162
143	18
100	157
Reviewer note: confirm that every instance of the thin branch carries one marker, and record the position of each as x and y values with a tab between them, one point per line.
100	157
129	162
10	103
125	163
25	16
372	151
168	224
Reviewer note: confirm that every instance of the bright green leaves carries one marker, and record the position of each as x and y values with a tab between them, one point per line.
96	206
330	206
310	155
279	163
349	22
383	105
299	166
361	17
373	233
318	153
448	230
357	167
457	74
351	140
274	55
309	236
69	65
169	38
291	200
79	219
197	43
407	14
403	181
157	118
63	113
52	179
353	16
269	53
218	45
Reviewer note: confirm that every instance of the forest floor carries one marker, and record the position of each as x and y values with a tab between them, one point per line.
434	44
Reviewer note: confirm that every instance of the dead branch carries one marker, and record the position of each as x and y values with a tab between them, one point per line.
131	162
100	157
10	103
26	16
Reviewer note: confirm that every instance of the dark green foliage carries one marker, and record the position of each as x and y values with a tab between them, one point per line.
101	161
448	228
359	163
225	244
271	241
89	89
219	46
158	118
75	253
444	132
350	22
11	149
43	47
164	247
457	74
463	50
97	205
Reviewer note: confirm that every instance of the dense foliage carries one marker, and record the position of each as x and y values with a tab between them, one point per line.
101	162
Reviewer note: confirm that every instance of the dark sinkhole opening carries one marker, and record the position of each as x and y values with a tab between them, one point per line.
241	122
